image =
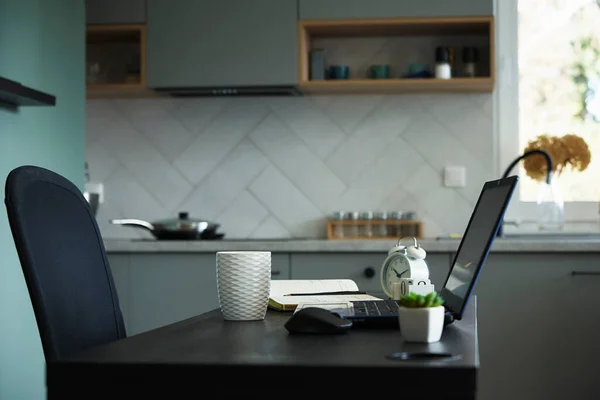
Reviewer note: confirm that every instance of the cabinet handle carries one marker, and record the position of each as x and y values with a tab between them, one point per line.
369	272
590	273
275	273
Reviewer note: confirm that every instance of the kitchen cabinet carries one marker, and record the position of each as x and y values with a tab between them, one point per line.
363	268
157	289
115	11
207	43
367	9
539	326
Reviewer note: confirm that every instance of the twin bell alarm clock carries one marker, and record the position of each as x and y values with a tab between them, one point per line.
405	270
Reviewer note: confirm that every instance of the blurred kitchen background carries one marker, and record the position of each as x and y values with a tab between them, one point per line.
278	167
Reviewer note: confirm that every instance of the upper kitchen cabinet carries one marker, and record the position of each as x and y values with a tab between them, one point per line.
224	43
370	9
110	12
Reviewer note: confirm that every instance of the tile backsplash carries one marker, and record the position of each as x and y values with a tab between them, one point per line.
277	167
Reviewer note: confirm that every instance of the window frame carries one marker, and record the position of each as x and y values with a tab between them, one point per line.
506	118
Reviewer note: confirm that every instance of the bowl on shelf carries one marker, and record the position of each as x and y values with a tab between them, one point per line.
338	72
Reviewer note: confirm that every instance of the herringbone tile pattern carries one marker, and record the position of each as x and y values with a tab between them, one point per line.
277	167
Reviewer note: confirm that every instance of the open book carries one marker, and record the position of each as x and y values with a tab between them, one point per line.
286	295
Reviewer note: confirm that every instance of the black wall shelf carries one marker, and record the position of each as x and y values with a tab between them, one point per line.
13	95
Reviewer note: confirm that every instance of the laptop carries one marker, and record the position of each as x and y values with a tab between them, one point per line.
467	263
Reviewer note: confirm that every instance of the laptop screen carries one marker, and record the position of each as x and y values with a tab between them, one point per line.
476	242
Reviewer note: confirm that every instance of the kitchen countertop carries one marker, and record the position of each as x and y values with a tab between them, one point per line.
507	245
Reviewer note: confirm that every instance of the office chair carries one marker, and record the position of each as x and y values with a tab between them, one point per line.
64	262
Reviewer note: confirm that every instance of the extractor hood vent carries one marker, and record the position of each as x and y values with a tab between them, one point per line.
231	91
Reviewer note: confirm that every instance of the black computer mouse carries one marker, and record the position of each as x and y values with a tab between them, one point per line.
317	320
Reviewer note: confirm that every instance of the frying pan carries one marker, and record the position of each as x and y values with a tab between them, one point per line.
181	228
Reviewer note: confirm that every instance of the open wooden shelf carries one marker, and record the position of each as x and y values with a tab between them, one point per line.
113	47
481	28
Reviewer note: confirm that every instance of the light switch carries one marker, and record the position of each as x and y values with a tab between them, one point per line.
455	176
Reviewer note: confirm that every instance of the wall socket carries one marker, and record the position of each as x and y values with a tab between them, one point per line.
455	176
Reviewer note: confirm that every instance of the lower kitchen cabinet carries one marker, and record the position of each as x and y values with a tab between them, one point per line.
119	265
363	268
157	289
539	326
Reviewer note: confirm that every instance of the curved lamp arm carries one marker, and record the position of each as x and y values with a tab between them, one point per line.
527	154
516	161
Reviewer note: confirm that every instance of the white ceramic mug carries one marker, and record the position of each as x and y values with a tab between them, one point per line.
243	284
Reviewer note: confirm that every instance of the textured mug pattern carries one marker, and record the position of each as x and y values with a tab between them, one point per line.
243	284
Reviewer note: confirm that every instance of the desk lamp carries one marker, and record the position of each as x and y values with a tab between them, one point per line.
546	186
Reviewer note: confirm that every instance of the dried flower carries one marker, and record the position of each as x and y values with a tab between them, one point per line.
567	151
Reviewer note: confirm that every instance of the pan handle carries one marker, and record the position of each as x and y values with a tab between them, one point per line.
134	222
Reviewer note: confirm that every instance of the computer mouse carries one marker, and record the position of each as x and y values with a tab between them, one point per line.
317	320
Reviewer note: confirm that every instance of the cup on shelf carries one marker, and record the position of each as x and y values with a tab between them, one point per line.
243	284
381	71
339	72
418	70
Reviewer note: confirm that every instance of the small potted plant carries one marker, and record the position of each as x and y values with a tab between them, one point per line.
421	317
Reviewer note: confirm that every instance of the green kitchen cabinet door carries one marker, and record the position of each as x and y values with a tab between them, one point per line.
224	43
114	12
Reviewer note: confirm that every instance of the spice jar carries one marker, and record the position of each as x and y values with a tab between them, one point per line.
396	224
381	229
338	229
352	228
366	225
443	70
411	229
469	58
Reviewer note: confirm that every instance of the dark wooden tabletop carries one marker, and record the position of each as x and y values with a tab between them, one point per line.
205	349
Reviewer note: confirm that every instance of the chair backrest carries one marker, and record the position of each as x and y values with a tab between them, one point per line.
64	262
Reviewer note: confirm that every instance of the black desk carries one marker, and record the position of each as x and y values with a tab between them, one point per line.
206	353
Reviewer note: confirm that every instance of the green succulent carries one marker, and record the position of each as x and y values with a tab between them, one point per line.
413	300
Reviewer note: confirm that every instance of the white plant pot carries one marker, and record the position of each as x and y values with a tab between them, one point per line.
422	325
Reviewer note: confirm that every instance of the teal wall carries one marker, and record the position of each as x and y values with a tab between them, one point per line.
42	44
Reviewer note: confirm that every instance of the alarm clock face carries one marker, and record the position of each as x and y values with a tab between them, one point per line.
395	266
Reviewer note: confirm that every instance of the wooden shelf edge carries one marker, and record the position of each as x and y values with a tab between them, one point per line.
398	85
119	90
396	21
404	26
113	28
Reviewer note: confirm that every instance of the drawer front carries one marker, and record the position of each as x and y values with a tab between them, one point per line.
533	305
280	266
364	269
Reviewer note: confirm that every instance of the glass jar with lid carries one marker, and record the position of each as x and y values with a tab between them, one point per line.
366	224
338	228
381	229
396	224
352	228
410	225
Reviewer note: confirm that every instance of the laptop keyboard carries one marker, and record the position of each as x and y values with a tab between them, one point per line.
375	308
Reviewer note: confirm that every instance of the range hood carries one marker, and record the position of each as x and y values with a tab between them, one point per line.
230	91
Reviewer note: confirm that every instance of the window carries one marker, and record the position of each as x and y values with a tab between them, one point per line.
549	58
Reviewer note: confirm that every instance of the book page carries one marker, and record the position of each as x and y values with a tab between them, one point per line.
290	286
325	299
